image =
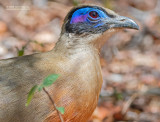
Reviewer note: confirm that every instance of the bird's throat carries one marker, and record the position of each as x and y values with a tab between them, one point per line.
69	45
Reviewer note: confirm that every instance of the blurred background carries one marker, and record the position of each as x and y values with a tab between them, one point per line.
130	59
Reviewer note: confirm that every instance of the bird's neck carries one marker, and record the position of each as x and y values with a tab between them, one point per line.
78	51
69	45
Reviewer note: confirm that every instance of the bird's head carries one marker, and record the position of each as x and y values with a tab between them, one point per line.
89	23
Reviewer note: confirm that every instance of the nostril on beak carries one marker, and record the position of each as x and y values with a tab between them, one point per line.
122	20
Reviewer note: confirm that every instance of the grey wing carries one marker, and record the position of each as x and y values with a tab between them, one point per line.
17	77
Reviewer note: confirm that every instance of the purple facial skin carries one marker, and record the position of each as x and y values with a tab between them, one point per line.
80	18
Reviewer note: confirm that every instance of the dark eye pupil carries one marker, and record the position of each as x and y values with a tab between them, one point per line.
93	14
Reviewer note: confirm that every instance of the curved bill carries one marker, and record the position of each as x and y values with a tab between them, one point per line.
121	22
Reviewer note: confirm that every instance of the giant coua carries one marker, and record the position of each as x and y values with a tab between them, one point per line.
75	57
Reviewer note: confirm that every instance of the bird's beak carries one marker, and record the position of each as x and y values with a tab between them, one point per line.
121	22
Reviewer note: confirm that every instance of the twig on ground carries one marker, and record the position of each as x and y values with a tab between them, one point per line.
59	114
129	102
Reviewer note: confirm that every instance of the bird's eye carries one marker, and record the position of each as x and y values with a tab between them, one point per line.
93	14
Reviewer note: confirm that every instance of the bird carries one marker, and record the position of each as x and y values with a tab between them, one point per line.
75	57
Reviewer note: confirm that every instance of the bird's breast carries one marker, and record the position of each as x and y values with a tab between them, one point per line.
78	86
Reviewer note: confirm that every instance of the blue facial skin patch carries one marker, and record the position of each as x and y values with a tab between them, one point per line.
82	15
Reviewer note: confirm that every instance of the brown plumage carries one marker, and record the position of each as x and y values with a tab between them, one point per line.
76	58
